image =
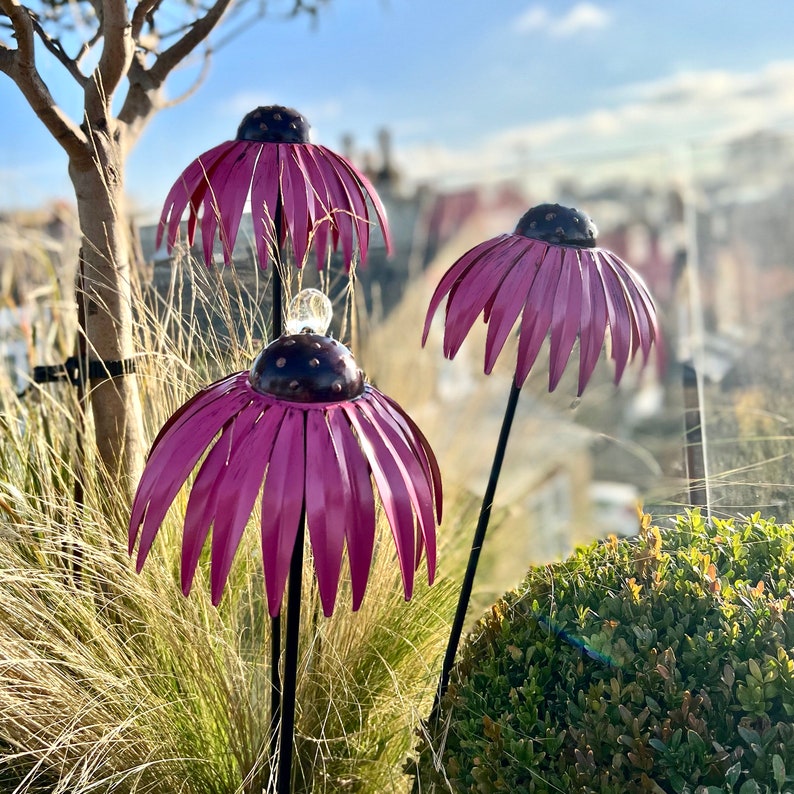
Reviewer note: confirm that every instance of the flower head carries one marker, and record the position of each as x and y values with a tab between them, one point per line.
305	434
298	190
551	274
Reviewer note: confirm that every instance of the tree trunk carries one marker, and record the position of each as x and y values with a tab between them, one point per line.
105	288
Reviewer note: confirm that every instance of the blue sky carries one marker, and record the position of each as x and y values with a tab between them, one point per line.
470	90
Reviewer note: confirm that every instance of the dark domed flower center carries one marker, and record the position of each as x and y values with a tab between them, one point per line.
274	124
307	368
552	223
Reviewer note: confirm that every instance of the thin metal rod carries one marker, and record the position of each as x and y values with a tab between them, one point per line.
476	548
278	292
275	623
275	685
278	285
693	431
287	737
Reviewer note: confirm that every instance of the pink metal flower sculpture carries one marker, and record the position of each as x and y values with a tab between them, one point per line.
549	273
305	430
298	191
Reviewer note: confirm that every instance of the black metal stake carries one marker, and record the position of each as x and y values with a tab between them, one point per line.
476	548
275	684
287	733
278	291
275	623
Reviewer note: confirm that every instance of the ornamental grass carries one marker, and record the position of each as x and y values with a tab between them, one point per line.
113	680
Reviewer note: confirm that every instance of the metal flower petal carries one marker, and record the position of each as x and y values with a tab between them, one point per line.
303	433
298	191
548	277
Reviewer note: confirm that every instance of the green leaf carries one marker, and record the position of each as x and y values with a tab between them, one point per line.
779	771
678	783
750	736
695	740
652	704
749	787
732	775
658	744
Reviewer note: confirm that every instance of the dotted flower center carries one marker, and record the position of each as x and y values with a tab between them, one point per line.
307	368
553	223
274	124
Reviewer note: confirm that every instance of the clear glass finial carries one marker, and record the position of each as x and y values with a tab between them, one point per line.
310	311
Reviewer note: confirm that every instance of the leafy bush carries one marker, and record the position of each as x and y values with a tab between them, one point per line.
659	664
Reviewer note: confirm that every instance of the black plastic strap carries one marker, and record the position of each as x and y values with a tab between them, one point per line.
71	370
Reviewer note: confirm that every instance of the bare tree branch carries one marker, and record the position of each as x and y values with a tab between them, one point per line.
145	95
20	65
125	50
55	47
86	46
141	14
117	51
143	100
180	49
197	83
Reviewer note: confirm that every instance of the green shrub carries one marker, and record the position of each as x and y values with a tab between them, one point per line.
659	664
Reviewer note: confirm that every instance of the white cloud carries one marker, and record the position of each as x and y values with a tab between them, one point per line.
581	17
534	18
652	120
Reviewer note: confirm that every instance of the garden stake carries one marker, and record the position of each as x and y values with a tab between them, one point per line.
303	429
476	548
550	274
275	622
287	733
80	348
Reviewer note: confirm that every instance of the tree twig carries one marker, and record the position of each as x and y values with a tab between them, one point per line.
55	47
87	46
197	83
140	15
20	65
180	49
146	84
